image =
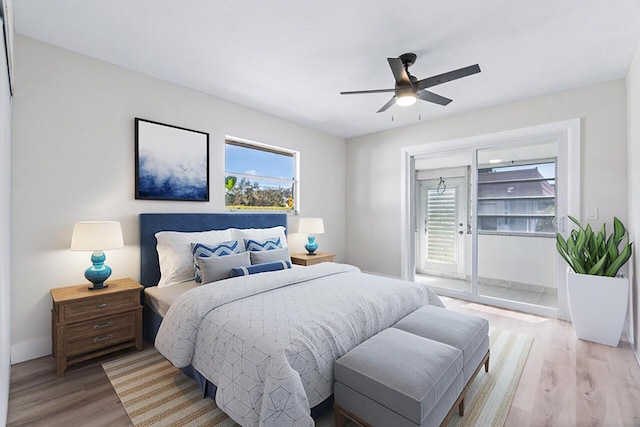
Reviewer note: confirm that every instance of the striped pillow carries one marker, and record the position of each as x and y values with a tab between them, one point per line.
205	251
259	268
264	245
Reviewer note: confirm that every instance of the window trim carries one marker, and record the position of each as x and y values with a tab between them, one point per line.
245	143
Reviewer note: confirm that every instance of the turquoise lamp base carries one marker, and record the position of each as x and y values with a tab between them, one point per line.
98	273
311	246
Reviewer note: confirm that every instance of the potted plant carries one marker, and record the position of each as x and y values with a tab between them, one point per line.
597	294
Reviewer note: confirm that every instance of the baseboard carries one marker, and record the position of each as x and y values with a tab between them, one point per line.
32	349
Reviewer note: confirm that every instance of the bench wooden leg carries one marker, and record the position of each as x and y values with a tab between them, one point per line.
340	418
461	407
486	364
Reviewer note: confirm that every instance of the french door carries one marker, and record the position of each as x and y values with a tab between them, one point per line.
443	219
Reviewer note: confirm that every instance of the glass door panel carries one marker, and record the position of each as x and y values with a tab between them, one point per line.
516	224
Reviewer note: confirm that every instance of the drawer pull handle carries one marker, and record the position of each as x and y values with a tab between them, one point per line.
102	325
103	305
103	338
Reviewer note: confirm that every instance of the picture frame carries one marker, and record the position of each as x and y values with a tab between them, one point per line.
172	163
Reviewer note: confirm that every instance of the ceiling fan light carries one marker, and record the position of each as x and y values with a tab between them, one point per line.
406	100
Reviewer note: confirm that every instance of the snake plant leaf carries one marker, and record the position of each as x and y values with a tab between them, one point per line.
600	242
618	230
571	244
581	240
575	221
589	240
612	250
561	243
613	268
563	249
598	268
578	266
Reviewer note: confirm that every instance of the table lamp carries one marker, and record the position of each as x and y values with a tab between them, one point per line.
311	226
97	236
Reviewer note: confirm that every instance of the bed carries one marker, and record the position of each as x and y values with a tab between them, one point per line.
263	345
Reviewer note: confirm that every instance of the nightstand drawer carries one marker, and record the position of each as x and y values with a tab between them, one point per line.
101	326
100	306
100	340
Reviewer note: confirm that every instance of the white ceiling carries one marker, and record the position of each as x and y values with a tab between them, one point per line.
291	58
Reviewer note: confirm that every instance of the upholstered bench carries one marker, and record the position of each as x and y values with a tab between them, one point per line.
470	334
396	378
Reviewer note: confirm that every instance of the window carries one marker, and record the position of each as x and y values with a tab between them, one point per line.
518	199
259	177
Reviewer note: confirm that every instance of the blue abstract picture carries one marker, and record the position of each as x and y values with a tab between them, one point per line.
172	163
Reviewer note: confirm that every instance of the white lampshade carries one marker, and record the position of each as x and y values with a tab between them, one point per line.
311	226
96	236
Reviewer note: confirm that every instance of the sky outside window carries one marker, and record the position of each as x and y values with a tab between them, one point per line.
243	160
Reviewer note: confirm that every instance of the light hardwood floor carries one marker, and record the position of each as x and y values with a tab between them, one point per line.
566	382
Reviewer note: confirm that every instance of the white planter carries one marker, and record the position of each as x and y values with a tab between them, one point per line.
598	306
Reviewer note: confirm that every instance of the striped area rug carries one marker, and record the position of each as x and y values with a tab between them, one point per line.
154	393
490	395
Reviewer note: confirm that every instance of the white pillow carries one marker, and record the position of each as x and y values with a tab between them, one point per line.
175	256
240	234
261	257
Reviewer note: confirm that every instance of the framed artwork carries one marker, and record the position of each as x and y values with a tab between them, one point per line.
172	163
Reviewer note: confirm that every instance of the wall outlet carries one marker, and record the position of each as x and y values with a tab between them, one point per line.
592	213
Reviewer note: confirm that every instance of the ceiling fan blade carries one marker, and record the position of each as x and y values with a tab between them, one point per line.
386	106
356	92
399	73
425	95
447	77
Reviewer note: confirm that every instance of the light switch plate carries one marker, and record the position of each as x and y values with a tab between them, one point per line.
592	213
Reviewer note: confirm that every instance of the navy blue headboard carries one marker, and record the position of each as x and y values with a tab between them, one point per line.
151	223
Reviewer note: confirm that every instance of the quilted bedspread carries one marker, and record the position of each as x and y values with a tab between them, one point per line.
269	341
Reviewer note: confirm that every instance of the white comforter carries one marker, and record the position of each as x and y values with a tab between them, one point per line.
268	341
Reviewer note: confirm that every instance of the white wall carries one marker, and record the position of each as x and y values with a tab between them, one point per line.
5	231
73	159
374	173
633	158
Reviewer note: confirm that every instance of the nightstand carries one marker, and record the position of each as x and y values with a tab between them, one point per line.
88	324
306	259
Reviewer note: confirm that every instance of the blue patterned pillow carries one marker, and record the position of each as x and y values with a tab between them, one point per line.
265	245
205	251
259	268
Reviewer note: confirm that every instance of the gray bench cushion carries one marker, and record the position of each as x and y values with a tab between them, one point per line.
462	331
403	372
377	415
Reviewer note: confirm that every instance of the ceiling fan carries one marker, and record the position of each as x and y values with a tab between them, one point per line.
408	88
